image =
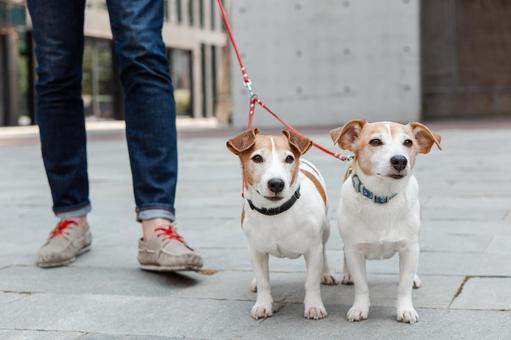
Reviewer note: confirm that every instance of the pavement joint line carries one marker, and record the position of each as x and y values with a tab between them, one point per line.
489	243
459	291
43	330
234	270
84	333
18	292
468	278
507	215
15	265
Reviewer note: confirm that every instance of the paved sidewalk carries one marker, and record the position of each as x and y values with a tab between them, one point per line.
465	262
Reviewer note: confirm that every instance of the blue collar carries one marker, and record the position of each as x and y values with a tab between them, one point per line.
360	188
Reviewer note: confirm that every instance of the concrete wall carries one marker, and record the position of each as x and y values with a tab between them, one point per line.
324	62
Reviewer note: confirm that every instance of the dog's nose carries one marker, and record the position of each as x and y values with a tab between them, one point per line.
276	185
398	162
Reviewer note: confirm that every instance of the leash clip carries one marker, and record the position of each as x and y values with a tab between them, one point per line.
248	86
344	158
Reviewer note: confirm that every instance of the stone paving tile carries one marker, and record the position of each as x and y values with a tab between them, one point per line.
490	293
287	287
127	315
97	280
229	319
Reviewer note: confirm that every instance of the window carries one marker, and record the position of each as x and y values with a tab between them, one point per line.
166	12
201	13
98	85
181	73
212	18
191	18
179	12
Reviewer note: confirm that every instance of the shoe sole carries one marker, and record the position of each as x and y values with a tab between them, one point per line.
161	269
66	262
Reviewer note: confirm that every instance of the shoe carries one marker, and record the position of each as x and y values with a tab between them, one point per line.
66	241
166	251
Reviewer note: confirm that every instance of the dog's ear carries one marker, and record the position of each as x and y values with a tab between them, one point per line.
425	137
243	141
346	136
301	143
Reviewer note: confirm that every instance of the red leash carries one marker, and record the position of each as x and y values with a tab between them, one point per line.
254	99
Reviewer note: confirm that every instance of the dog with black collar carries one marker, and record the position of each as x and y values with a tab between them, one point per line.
284	214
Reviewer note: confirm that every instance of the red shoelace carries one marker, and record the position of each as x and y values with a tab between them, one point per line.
170	233
61	227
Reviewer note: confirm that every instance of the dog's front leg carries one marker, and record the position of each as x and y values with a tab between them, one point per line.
314	307
408	259
357	267
263	307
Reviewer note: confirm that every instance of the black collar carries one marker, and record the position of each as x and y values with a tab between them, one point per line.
278	210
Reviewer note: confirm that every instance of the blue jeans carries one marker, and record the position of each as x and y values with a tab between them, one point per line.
148	97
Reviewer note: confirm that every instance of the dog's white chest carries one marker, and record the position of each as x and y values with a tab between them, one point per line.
280	250
279	241
287	236
379	231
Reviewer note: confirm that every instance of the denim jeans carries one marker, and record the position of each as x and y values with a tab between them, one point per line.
148	97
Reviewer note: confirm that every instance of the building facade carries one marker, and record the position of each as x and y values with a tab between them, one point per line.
323	62
196	47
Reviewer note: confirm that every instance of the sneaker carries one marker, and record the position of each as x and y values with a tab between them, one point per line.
166	251
66	241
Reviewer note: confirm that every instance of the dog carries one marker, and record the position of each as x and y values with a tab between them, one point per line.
379	211
284	213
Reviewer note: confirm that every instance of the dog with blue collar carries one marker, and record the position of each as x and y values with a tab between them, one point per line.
379	210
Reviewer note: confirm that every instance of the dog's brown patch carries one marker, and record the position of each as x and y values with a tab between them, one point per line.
316	183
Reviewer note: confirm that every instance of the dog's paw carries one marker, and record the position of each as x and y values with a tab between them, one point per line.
315	312
407	315
357	313
262	311
346	279
328	279
417	283
253	286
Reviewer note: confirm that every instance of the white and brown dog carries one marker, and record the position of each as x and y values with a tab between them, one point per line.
379	211
284	214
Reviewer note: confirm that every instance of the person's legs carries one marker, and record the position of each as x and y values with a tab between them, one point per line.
151	131
58	33
149	102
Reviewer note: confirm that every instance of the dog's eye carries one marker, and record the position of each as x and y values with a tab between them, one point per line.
375	142
290	159
408	143
257	159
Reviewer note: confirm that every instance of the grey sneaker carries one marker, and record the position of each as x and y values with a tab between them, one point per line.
67	241
166	251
